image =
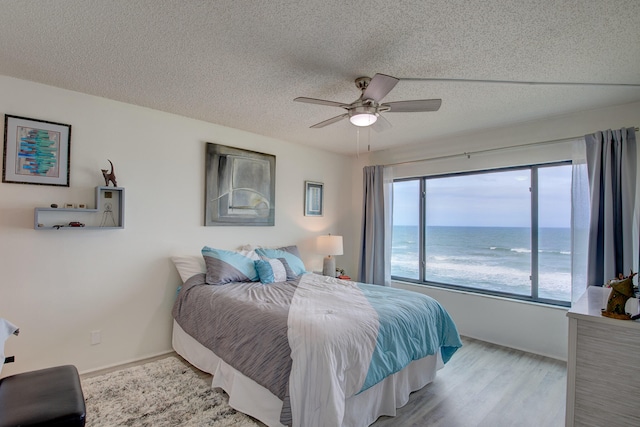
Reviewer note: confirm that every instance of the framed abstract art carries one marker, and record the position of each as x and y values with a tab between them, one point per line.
36	151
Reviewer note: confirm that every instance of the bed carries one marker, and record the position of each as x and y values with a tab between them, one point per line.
296	348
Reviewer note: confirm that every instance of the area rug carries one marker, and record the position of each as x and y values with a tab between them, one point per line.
162	393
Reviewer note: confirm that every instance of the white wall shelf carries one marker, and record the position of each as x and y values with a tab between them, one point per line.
108	213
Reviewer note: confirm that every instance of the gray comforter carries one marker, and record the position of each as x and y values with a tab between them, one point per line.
249	330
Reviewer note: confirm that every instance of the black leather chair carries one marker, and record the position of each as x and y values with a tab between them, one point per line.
47	397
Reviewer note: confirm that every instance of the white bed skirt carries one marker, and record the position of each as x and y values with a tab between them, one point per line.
247	396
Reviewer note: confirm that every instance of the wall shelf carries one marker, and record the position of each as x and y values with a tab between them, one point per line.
108	213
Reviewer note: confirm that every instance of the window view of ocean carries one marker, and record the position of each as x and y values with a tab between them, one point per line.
491	258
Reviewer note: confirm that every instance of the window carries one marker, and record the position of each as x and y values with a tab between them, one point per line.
503	232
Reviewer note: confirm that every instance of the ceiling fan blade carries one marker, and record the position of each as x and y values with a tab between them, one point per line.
518	82
320	102
330	121
381	124
415	106
379	86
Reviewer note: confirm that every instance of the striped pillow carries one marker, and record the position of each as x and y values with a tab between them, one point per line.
289	253
271	270
290	274
228	266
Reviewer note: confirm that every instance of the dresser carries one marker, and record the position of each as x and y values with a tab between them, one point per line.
603	366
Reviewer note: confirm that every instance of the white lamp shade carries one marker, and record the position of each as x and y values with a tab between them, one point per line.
330	245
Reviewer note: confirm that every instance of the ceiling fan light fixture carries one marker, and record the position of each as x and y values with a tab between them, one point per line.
363	116
363	119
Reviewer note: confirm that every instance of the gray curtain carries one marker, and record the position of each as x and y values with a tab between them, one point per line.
611	166
372	250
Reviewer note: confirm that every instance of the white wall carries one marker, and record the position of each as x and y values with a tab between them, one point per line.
57	286
536	328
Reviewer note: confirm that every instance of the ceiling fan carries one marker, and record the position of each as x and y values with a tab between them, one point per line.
366	110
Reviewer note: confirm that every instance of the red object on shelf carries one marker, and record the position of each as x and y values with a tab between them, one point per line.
343	277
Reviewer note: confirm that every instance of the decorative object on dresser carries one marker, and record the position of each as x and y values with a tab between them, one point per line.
329	245
621	290
109	176
240	186
36	151
313	198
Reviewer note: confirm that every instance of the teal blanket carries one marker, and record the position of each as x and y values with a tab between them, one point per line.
411	326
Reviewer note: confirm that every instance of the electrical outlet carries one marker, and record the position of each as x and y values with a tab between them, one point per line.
96	337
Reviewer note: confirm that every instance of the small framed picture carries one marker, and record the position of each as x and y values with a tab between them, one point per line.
82	206
69	206
313	200
36	151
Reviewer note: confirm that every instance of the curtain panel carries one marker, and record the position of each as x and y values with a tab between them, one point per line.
375	250
580	209
611	167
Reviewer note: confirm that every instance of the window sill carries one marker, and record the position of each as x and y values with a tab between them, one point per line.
478	294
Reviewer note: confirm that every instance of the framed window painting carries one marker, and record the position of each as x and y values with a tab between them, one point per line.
36	152
240	187
313	200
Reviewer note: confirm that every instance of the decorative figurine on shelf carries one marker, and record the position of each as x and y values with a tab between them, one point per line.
107	216
621	291
109	176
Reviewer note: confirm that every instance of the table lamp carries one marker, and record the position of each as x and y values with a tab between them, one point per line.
329	245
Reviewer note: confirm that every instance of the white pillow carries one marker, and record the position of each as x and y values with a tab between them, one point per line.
188	266
249	253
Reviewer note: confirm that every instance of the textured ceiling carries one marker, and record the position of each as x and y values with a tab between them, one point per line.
241	63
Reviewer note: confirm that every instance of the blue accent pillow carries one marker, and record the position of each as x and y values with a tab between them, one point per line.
270	270
228	266
289	253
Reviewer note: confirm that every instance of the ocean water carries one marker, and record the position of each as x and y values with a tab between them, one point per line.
491	258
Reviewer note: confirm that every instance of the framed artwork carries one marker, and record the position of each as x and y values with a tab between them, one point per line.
240	187
36	151
313	198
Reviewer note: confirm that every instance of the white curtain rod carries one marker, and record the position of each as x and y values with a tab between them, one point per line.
468	154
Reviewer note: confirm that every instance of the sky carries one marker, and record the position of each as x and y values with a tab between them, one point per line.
496	199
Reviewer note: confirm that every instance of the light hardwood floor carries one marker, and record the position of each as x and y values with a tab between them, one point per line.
483	385
488	385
